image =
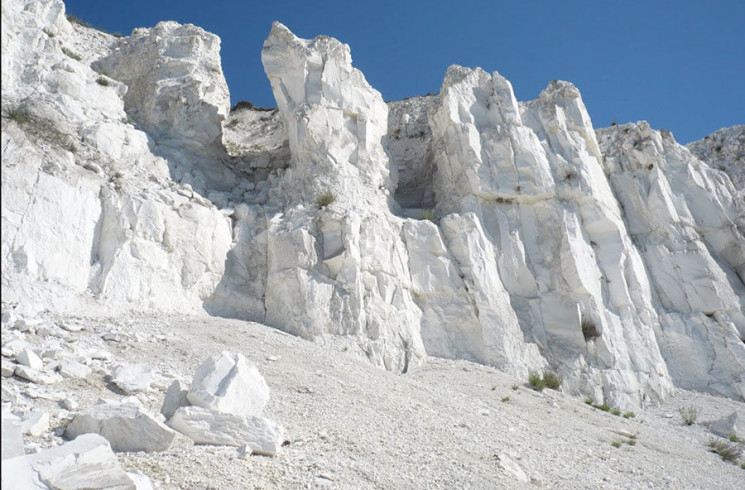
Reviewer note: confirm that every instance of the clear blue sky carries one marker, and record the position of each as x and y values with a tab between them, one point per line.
678	64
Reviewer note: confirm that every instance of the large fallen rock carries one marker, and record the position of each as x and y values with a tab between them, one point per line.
207	427
87	462
127	427
229	383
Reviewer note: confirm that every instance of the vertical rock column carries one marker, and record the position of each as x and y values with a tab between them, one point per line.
337	268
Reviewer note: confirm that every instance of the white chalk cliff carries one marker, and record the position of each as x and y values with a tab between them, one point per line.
615	258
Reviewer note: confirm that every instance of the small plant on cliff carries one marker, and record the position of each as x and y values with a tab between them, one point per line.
71	54
324	200
589	330
103	81
689	414
428	215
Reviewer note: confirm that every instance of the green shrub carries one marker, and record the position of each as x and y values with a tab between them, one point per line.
71	54
548	380
505	399
604	407
103	81
733	437
616	444
629	415
515	387
689	414
536	381
616	411
324	200
726	450
590	401
631	442
552	380
48	32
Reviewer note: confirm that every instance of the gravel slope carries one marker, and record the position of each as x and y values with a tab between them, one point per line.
448	424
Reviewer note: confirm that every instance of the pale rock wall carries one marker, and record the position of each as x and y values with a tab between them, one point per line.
688	222
342	269
89	216
537	235
177	94
533	180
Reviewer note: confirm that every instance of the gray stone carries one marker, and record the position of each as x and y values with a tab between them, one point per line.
175	398
127	427
35	376
729	425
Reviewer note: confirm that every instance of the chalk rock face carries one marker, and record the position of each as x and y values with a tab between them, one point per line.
336	122
339	268
724	150
86	462
229	383
688	223
554	238
88	210
176	88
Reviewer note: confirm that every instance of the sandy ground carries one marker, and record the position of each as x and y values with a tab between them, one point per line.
448	424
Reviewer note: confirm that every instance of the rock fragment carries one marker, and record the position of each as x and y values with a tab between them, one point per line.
132	378
36	376
87	462
29	358
727	426
204	426
127	427
175	398
12	438
36	423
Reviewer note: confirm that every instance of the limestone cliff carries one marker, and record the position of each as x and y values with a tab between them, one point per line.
615	258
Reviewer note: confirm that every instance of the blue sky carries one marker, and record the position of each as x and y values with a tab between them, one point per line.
678	64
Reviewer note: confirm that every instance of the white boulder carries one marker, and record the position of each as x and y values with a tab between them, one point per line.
127	427
87	462
204	426
229	383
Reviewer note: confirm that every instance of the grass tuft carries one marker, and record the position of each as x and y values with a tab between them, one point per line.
103	81
71	54
324	200
629	415
428	215
689	414
726	450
